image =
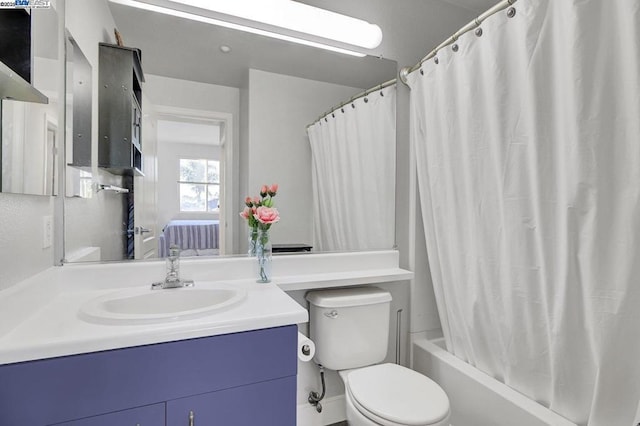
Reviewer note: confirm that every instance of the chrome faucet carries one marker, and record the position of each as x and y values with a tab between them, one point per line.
172	279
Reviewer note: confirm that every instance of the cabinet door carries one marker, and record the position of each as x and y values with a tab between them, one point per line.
271	403
151	415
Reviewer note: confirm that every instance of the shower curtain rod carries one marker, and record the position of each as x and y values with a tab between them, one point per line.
404	72
353	98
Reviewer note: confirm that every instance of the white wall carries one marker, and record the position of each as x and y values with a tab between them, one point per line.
169	155
21	252
278	151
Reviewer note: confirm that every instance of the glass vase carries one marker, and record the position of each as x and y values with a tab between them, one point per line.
253	238
263	254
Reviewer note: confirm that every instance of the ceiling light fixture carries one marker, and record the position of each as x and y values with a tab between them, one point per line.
282	19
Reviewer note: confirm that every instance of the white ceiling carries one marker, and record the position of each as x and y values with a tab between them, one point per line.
476	6
189	50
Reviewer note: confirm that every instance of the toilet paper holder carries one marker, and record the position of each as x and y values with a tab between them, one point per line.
306	350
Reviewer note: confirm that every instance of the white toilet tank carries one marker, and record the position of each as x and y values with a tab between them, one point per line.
350	327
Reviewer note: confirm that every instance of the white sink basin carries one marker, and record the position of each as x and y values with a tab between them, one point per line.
143	306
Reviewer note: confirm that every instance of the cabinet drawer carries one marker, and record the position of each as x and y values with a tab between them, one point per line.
271	403
151	415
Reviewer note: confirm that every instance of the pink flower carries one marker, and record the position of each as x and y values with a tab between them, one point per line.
266	215
263	190
245	213
248	201
273	189
256	201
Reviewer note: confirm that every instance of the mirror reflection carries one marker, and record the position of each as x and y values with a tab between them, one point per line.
30	130
223	112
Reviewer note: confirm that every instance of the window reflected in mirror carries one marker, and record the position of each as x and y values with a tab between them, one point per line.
199	185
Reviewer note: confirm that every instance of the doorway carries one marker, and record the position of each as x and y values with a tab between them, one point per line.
193	196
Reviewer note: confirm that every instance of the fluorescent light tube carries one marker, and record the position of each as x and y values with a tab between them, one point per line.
164	8
297	17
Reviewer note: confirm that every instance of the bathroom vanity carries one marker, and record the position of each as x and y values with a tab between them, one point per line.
88	353
233	379
77	348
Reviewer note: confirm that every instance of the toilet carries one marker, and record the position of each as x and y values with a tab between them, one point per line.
350	328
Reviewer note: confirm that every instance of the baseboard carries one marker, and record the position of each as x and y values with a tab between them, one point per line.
333	411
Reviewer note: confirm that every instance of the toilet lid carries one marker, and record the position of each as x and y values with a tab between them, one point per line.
399	395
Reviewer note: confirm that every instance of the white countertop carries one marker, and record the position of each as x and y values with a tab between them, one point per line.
55	329
39	317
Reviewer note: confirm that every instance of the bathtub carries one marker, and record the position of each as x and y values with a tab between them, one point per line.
476	398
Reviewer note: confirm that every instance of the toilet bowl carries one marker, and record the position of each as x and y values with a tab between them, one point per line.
350	328
392	395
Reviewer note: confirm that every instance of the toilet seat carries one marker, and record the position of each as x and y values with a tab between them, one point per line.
392	395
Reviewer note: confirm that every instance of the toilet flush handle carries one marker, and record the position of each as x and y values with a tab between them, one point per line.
331	314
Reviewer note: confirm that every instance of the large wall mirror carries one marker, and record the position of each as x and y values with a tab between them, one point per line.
30	130
223	112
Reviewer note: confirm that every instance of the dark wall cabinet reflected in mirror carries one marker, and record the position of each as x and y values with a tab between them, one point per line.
120	101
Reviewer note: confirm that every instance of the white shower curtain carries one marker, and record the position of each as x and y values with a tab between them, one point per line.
353	154
527	142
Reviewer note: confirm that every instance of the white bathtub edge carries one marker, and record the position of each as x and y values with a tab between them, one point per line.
539	413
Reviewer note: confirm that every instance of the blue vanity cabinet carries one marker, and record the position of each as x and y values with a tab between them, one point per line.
151	415
247	375
258	404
